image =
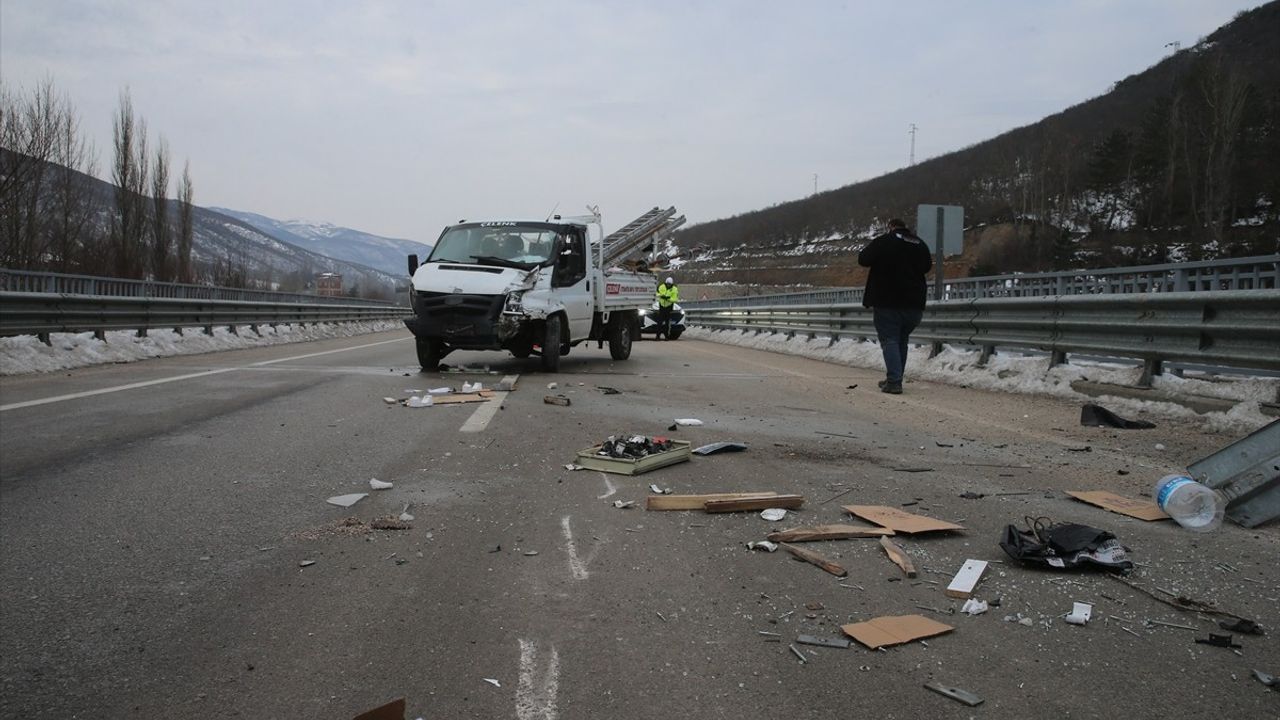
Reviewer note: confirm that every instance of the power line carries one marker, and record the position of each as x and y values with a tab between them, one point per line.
912	132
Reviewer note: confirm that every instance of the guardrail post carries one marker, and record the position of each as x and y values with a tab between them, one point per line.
100	335
44	338
987	352
231	328
142	332
1057	357
1150	368
208	329
178	330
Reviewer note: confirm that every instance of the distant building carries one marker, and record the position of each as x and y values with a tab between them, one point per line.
329	284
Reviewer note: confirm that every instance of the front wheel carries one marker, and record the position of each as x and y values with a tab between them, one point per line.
620	337
675	333
551	345
429	354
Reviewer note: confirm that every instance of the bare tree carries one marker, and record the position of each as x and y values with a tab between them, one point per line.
185	194
126	225
74	244
27	136
161	237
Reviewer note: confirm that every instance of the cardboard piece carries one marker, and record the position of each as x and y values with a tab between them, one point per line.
966	580
696	502
393	710
482	396
1141	509
900	520
894	630
827	532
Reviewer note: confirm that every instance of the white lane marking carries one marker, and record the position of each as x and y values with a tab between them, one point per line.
607	484
479	419
536	696
176	378
576	566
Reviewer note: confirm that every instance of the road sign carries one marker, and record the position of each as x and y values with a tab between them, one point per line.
951	218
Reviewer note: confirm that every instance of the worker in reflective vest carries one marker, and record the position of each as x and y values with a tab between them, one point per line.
668	296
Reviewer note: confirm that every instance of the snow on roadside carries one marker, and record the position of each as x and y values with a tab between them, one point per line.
1030	374
26	354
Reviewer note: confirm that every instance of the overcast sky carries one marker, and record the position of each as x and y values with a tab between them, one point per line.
398	117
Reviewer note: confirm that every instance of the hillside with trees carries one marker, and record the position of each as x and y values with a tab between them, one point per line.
1173	163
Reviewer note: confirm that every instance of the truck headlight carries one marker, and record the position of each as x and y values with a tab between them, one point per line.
515	302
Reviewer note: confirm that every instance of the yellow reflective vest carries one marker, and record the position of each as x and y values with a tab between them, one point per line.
668	296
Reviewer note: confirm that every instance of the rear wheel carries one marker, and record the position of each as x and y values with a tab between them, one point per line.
429	354
620	337
675	333
551	345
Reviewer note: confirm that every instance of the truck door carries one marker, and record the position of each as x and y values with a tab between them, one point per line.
573	286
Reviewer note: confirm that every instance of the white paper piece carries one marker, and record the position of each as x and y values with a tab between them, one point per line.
573	466
440	391
653	487
377	484
493	682
390	400
418	402
974	607
347	500
624	504
764	545
773	514
472	387
1080	613
552	386
688	421
412	391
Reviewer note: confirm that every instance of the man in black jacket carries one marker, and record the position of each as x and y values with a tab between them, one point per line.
895	293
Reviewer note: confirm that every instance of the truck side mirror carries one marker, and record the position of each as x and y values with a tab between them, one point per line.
413	264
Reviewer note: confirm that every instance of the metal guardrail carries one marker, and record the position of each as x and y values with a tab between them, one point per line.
1239	328
26	281
1249	273
41	313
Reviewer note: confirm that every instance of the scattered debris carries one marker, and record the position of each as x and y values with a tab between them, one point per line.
898	556
803	659
552	386
608	390
1180	601
440	391
390	522
1216	640
1266	678
482	396
894	630
557	400
1161	623
530	553
688	422
1064	545
404	514
764	545
840	494
828	532
634	454
913	469
830	642
768	634
474	387
1246	627
659	491
1080	613
943	445
376	484
573	466
347	501
969	495
306	563
814	558
698	502
966	579
493	682
719	447
1160	446
624	504
1141	509
750	504
836	434
954	693
973	606
1092	415
390	400
773	514
414	401
393	710
900	520
1085	448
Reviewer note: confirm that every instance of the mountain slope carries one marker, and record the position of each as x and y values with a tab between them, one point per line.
1152	171
383	253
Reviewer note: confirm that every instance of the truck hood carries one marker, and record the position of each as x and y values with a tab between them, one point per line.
463	279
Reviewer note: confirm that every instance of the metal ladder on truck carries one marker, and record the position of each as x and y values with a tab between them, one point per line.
650	227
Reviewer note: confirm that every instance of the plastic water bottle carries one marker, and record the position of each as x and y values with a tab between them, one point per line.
1194	506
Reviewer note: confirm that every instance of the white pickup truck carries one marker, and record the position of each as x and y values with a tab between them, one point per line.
531	288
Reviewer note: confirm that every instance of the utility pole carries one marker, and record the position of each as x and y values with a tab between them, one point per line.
815	183
1176	45
912	132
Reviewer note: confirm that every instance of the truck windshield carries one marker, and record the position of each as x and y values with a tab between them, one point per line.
503	245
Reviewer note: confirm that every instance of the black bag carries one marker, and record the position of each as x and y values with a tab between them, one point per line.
1065	545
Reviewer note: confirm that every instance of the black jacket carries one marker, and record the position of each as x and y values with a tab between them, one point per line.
899	261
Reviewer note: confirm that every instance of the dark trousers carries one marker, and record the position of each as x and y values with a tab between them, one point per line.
893	327
664	320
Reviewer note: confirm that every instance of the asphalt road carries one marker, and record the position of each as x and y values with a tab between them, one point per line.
154	516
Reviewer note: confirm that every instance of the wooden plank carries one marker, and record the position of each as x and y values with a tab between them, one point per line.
696	502
966	580
827	532
900	520
810	556
898	556
742	504
482	396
